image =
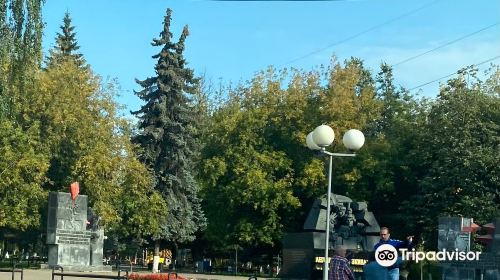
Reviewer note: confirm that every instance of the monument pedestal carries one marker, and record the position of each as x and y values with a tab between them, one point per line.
74	238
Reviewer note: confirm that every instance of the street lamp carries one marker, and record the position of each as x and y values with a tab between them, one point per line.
319	139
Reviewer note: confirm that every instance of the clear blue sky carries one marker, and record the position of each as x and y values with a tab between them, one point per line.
233	40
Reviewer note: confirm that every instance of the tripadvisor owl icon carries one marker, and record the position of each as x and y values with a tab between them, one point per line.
386	255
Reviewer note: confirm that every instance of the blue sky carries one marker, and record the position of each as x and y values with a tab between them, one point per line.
231	40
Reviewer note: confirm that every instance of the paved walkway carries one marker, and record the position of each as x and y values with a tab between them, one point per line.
214	277
45	274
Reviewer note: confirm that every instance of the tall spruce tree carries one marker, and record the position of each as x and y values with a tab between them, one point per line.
166	134
66	45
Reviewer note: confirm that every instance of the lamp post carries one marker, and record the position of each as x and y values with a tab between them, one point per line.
319	139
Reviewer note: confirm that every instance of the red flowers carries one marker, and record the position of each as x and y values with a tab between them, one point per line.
158	276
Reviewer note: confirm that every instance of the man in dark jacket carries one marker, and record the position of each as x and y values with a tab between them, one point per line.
372	270
385	238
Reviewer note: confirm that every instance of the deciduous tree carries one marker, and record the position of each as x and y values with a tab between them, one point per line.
459	152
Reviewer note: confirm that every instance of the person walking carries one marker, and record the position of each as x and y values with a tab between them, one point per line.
339	266
372	270
385	238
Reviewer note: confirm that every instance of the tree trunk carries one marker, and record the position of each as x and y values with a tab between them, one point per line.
174	255
156	256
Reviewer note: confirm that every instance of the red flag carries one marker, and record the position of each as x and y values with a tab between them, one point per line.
490	228
473	228
485	239
74	190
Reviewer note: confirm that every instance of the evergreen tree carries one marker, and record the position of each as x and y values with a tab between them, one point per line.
66	45
167	136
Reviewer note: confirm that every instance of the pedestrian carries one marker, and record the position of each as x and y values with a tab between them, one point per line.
339	266
385	238
372	270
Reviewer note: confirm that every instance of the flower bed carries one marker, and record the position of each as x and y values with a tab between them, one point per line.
156	276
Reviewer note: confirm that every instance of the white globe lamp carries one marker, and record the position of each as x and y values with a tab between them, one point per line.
353	139
323	135
310	142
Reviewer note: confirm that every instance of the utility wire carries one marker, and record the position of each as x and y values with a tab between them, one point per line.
438	79
446	44
360	33
410	58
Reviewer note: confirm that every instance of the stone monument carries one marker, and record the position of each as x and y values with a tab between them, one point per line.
351	225
454	234
74	237
451	234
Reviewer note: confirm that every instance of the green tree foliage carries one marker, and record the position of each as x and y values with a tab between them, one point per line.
22	167
22	172
349	98
167	136
422	159
383	173
349	101
243	175
66	103
61	128
86	141
459	153
256	164
66	45
21	30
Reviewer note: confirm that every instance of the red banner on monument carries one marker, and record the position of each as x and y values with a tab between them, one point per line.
74	189
472	228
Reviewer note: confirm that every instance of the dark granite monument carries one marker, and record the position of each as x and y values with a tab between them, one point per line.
451	234
351	225
488	265
74	238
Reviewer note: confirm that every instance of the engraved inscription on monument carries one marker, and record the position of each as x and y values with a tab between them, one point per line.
72	237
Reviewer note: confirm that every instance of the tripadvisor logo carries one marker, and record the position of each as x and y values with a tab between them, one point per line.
386	255
442	255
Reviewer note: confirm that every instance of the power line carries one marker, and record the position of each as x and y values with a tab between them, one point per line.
360	33
446	44
438	79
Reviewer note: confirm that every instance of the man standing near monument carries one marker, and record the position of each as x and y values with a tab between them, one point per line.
385	238
339	266
372	270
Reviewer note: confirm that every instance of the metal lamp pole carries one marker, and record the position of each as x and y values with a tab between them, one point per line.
319	139
328	203
327	238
